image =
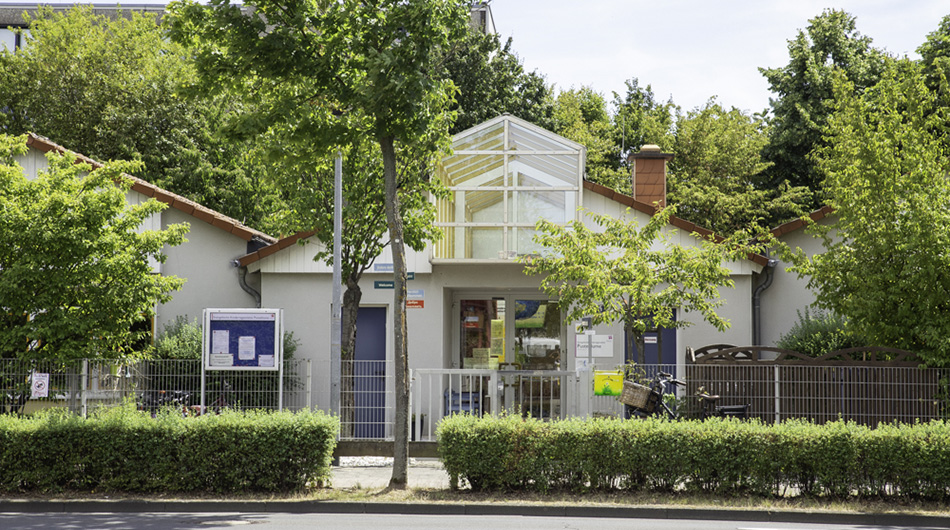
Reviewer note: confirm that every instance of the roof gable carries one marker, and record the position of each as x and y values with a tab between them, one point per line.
192	208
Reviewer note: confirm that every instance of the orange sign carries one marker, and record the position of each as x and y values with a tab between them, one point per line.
415	304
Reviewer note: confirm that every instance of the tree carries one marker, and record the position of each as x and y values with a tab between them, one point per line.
935	57
632	275
308	176
885	265
110	89
75	276
716	178
374	63
640	119
491	81
804	92
581	115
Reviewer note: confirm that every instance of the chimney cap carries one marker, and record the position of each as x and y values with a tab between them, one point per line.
651	151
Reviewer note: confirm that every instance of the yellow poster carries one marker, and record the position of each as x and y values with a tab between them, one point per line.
498	339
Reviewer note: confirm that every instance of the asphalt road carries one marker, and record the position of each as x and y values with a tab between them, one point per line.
284	521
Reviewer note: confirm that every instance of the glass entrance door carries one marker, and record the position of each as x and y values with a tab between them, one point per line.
520	336
510	333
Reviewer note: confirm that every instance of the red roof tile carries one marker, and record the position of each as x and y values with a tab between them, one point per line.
178	202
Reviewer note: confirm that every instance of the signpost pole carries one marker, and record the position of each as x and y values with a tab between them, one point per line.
336	331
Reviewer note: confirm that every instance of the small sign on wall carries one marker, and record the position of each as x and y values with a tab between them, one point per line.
39	386
598	345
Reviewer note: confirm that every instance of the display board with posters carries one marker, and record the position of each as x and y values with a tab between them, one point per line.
242	339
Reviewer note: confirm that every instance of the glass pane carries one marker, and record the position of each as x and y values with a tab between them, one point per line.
7	39
537	334
473	170
484	243
531	206
544	170
483	333
524	139
521	241
490	139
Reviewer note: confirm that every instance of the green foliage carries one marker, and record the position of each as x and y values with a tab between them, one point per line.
124	450
935	57
820	332
805	94
491	81
108	87
722	457
636	276
885	265
581	115
74	267
179	340
715	178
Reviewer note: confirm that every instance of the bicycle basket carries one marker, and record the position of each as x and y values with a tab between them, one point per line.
637	396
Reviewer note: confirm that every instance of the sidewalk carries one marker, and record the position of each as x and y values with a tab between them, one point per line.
375	472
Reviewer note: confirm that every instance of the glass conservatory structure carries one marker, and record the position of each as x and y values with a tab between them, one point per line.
503	176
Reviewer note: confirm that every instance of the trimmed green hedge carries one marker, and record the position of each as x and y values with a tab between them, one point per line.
125	450
724	457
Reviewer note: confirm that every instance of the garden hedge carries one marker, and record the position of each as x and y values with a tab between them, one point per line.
723	457
124	450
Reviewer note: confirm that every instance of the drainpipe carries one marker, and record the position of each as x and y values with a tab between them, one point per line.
757	302
242	279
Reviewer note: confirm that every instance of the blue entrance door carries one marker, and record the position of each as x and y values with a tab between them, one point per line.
660	348
369	373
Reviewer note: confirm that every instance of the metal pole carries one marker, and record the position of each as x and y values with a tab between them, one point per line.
336	308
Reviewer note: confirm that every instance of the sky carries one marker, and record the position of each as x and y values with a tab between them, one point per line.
690	50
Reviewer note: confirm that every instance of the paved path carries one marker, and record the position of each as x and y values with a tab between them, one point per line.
375	472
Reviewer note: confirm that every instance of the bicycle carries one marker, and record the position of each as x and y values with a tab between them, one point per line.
641	400
712	410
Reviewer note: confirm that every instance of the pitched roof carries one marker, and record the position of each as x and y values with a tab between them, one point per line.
649	209
192	208
626	200
796	224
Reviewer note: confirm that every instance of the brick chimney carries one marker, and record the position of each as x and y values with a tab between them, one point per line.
649	175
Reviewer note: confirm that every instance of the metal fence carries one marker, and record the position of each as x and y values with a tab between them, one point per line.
864	394
83	386
367	407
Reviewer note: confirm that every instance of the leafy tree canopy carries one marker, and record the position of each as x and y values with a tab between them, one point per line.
74	268
108	88
491	81
804	92
637	276
886	266
581	115
716	179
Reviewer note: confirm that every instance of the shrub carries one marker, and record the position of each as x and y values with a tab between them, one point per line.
818	333
125	450
719	456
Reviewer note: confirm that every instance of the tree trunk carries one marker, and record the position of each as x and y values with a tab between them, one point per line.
635	340
351	307
400	476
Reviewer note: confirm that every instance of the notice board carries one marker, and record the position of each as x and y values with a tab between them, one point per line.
242	339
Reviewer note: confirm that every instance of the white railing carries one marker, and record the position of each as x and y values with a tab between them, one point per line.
545	394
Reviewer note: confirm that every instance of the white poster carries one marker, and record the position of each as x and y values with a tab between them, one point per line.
602	345
219	341
39	387
266	361
246	347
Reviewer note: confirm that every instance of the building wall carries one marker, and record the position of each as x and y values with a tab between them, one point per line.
788	293
205	261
